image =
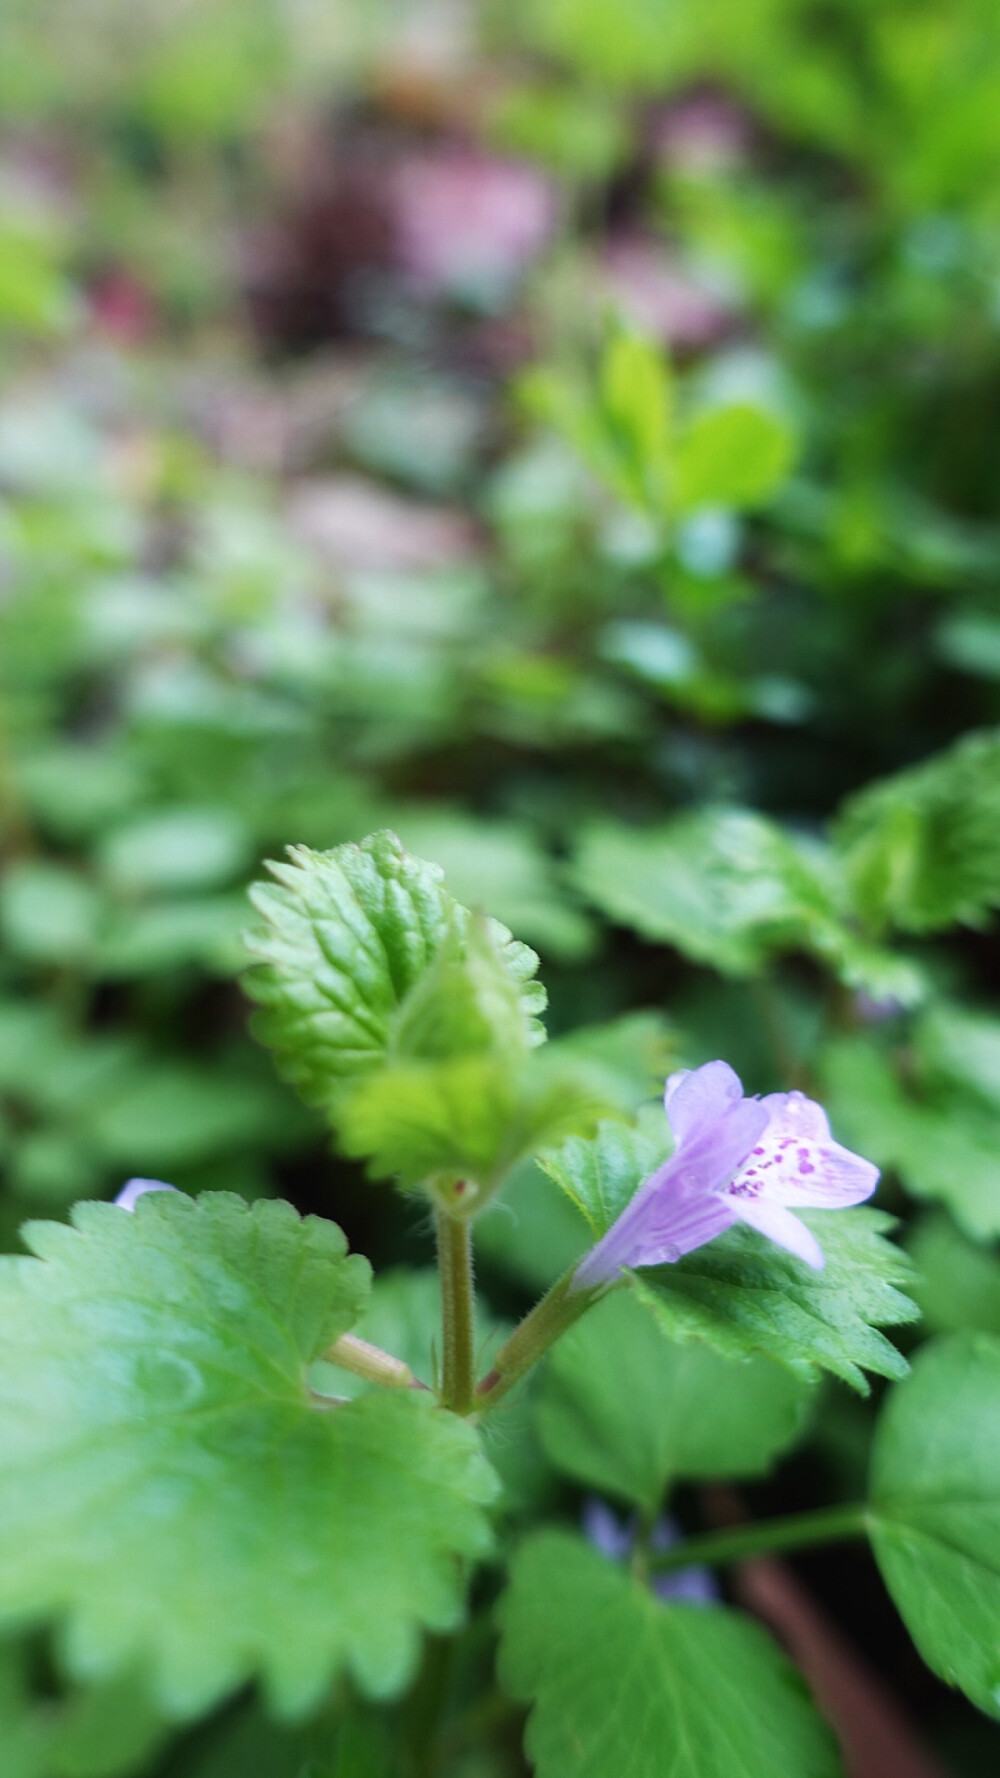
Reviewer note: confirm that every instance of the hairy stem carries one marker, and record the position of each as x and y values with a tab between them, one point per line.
370	1361
736	1543
458	1378
534	1335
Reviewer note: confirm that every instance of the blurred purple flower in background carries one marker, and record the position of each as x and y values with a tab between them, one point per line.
661	294
606	1531
137	1188
736	1160
468	222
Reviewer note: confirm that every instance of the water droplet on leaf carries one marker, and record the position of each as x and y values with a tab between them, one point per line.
167	1381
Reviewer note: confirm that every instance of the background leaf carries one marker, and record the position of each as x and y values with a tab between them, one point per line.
98	1732
957	1284
732	456
697	1685
940	1137
683	1413
935	1524
729	888
922	849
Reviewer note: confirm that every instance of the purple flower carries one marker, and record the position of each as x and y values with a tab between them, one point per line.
137	1188
605	1530
735	1160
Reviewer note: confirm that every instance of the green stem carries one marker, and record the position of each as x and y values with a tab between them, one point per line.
365	1360
641	1546
533	1336
458	1377
833	1524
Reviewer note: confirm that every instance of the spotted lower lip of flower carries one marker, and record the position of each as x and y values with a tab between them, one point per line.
137	1188
736	1159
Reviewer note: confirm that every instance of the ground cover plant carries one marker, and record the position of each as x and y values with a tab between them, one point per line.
499	863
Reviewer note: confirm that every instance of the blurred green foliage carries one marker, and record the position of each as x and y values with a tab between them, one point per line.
565	434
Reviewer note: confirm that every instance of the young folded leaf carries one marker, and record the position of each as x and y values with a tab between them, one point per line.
365	957
457	1127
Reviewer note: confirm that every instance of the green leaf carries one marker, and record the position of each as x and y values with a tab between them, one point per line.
403	1316
99	1732
169	1486
619	422
957	1284
248	1745
601	1175
625	1061
466	1003
500	864
935	1524
684	1413
204	931
176	849
922	849
636	400
48	913
729	888
168	1115
74	790
732	456
742	1294
348	935
467	1121
622	1683
941	1139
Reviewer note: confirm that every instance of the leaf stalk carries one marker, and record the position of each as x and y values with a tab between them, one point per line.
366	1360
738	1543
531	1339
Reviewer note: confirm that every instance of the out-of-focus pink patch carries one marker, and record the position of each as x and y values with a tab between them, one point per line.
469	222
704	133
654	292
123	307
356	524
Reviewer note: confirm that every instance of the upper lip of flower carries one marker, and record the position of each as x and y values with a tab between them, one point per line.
736	1159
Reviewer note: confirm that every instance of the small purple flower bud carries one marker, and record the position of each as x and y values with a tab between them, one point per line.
137	1188
736	1159
604	1529
692	1586
876	1009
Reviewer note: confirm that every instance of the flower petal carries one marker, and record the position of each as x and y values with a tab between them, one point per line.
669	1216
792	1114
780	1226
796	1161
695	1097
137	1188
603	1528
